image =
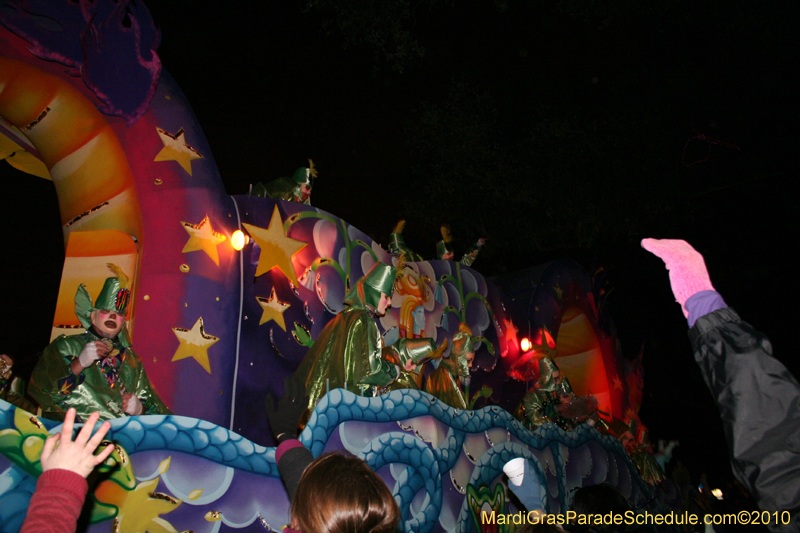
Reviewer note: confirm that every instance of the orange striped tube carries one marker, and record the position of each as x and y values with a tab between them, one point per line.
88	165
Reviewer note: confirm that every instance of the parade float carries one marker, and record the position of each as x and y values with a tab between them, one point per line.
220	319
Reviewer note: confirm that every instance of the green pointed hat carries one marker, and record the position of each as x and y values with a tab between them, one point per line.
368	289
463	343
304	175
546	369
114	296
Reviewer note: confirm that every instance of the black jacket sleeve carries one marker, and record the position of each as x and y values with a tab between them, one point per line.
291	465
759	403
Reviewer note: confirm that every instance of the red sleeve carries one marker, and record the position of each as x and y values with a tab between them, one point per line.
56	503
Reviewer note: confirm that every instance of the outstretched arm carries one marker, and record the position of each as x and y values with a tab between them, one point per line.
292	457
757	397
61	489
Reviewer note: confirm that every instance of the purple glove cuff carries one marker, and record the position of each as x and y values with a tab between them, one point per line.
703	303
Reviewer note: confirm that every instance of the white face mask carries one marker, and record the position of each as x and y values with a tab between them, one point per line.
107	324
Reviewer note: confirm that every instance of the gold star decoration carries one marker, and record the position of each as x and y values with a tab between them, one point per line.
277	249
140	508
617	383
194	343
176	149
273	309
203	237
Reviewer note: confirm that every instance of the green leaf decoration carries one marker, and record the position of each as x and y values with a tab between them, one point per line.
302	335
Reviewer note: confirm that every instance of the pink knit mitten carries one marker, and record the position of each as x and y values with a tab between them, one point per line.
687	269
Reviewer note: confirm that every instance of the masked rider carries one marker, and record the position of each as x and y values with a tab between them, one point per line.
96	370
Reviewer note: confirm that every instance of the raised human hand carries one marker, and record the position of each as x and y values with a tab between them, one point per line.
285	419
78	455
687	269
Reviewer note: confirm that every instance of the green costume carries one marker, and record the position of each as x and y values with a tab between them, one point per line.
443	383
419	351
637	443
288	189
397	244
100	386
445	247
12	388
97	388
541	404
350	350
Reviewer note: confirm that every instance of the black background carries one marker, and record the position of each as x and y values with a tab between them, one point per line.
562	129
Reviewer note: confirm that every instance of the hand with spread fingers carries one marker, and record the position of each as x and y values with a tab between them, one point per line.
61	452
284	419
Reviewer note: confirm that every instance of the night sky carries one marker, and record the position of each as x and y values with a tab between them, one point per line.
557	129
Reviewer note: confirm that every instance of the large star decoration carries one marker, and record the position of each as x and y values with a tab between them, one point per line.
203	237
139	508
176	149
510	335
273	309
194	343
277	249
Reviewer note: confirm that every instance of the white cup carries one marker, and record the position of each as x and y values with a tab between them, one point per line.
515	470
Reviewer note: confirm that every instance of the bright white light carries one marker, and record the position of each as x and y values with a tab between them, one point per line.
238	240
525	344
717	493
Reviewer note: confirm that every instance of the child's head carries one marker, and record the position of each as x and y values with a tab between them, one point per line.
341	494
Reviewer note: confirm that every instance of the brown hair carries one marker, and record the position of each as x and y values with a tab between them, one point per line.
341	494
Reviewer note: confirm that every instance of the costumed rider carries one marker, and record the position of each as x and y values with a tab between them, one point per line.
445	383
636	442
296	188
409	356
97	370
552	400
397	244
349	351
444	248
12	387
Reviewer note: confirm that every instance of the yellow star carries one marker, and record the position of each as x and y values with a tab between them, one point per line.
139	508
273	309
195	344
203	237
277	249
176	149
617	383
